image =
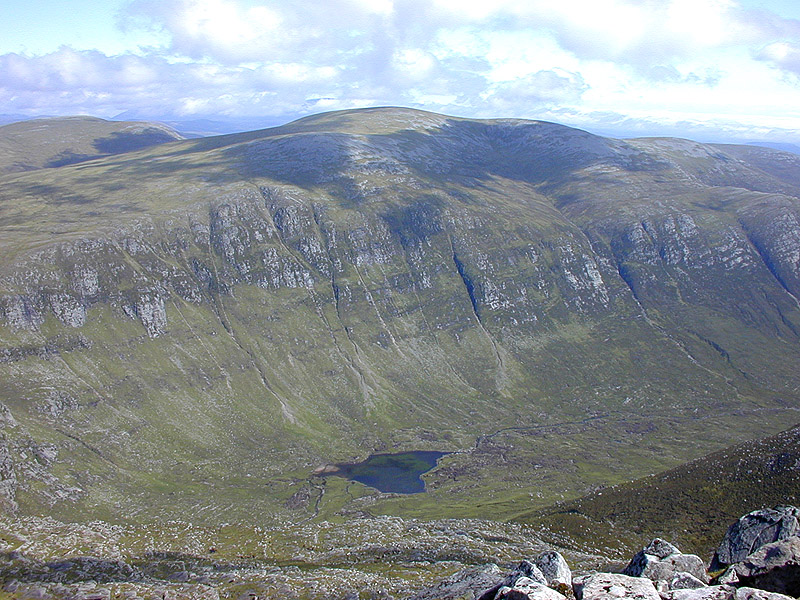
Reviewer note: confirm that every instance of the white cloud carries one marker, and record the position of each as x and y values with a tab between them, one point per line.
644	58
537	90
783	55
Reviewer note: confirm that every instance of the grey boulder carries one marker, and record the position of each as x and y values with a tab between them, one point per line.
752	531
773	567
610	586
746	593
714	592
554	568
685	581
472	582
526	569
528	589
661	561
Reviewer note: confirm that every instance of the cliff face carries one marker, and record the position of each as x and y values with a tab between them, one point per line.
227	311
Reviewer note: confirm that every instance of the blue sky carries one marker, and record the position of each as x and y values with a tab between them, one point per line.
726	70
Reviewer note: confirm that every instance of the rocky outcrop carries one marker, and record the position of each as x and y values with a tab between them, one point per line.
747	593
661	561
554	568
213	572
467	583
525	572
714	592
774	567
8	477
660	571
526	569
611	586
753	530
525	588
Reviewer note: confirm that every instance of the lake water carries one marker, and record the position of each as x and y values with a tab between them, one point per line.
397	473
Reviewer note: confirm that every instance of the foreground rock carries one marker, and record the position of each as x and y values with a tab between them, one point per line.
686	581
525	572
608	586
469	583
754	530
661	561
747	593
526	569
527	589
555	569
773	567
724	592
714	592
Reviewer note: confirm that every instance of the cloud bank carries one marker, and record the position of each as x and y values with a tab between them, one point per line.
704	65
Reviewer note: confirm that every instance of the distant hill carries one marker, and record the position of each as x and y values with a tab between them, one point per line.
793	148
691	505
59	141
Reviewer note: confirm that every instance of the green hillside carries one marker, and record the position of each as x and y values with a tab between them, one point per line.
692	505
59	141
191	329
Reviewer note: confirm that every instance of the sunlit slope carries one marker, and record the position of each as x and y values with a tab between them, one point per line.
691	505
205	321
59	141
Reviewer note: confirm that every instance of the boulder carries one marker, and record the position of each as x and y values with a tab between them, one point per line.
527	589
526	569
472	582
714	592
554	568
747	593
611	586
773	567
685	581
661	561
752	531
728	576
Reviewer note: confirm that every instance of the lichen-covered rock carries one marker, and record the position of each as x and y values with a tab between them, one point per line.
467	583
527	589
85	568
714	592
729	576
752	531
8	477
554	568
608	586
526	569
22	312
773	567
746	593
661	561
685	581
68	309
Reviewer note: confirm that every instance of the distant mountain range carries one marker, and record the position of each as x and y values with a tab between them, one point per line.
202	126
190	328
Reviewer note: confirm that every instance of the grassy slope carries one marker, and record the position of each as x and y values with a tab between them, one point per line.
691	505
54	142
255	382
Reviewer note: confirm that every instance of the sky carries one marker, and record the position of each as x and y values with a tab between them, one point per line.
712	70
